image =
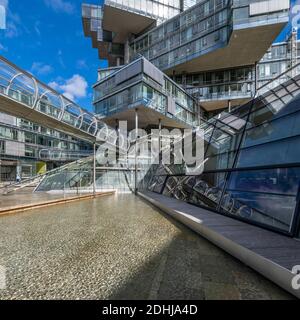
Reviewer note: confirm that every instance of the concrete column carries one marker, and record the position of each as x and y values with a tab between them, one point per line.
255	79
229	106
118	61
126	52
136	150
159	140
94	171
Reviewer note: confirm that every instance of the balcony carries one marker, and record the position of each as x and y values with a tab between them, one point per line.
141	85
212	35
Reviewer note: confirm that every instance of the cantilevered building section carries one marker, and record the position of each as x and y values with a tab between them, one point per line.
213	35
187	38
114	24
140	85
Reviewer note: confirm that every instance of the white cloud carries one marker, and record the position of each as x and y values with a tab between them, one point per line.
60	6
4	3
54	85
73	88
40	68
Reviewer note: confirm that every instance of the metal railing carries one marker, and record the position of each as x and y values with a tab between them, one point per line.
15	186
27	90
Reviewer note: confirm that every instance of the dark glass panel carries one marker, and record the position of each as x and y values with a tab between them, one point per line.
220	161
220	152
157	184
267	196
281	128
262	208
283	181
161	170
221	143
274	153
207	190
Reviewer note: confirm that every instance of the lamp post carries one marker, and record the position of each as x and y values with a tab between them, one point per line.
159	140
94	171
136	149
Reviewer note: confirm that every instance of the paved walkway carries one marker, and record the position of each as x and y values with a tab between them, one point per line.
26	197
118	247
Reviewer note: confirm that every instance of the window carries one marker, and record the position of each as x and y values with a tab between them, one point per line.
267	196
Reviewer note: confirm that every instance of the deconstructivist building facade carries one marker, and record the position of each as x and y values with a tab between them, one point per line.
211	48
176	64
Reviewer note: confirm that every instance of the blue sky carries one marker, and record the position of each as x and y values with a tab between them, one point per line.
45	37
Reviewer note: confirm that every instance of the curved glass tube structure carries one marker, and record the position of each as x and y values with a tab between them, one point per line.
32	95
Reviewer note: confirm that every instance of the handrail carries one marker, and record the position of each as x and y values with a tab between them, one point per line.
30	91
19	185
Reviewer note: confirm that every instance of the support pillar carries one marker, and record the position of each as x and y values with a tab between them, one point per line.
255	80
229	106
94	171
136	150
159	140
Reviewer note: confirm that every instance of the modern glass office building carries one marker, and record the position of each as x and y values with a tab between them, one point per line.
140	85
221	54
212	48
29	149
252	169
233	87
155	83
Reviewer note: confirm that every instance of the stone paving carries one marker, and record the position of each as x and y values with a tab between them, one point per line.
118	247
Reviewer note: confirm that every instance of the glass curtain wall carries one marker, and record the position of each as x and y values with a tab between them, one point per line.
134	85
252	168
190	34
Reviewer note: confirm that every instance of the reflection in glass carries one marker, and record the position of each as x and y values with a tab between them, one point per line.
207	190
264	196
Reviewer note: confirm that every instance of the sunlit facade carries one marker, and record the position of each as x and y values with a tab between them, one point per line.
141	85
212	48
219	54
43	129
252	168
28	149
